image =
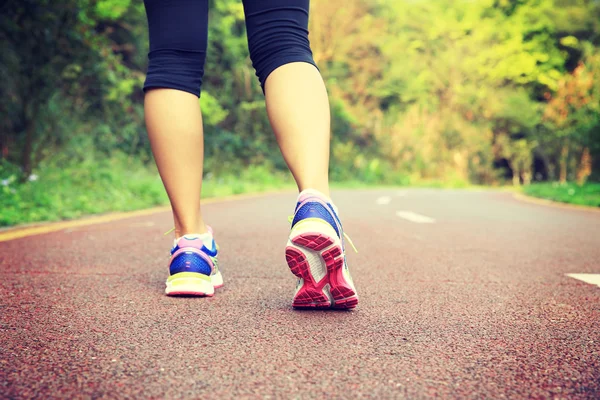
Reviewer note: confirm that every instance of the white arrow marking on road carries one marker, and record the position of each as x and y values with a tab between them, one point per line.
383	200
414	217
594	279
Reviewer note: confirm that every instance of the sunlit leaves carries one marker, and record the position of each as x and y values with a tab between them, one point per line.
212	111
111	9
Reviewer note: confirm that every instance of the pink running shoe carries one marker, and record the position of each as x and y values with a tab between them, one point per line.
315	254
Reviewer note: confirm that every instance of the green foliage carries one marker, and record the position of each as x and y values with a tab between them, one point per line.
67	190
471	91
213	113
252	179
111	9
70	60
587	195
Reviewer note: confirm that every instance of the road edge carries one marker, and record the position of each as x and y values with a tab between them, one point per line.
549	203
19	232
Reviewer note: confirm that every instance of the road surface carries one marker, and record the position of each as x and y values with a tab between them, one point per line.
463	294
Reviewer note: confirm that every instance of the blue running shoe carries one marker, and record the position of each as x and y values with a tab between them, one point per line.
193	268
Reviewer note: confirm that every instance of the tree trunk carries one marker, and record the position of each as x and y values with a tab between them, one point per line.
30	119
564	154
585	166
516	180
526	178
4	146
26	161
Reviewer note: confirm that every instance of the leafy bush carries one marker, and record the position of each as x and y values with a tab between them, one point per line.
97	185
91	186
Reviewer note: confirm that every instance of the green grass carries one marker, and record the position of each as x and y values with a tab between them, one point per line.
66	190
586	195
108	185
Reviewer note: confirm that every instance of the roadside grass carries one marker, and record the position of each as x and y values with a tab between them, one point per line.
56	193
94	186
585	195
68	188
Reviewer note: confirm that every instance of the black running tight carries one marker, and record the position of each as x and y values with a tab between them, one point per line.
277	35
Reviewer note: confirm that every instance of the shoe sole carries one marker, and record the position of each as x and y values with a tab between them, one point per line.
193	284
332	290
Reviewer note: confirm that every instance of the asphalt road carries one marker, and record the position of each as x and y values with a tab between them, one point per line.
463	294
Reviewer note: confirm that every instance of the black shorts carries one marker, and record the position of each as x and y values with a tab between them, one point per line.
277	34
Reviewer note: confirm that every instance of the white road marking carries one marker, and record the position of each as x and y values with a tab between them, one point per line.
414	217
383	200
593	279
400	193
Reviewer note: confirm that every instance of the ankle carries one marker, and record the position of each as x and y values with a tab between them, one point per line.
315	192
190	229
323	190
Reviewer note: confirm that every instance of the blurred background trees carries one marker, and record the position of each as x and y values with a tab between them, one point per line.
480	91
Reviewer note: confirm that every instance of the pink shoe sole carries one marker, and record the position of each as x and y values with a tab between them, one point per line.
311	294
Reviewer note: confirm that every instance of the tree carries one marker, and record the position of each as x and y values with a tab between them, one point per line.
573	114
55	49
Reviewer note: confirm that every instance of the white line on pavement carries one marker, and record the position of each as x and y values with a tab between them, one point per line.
383	200
593	279
414	217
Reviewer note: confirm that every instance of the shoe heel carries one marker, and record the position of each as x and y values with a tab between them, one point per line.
309	295
189	284
321	240
344	296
